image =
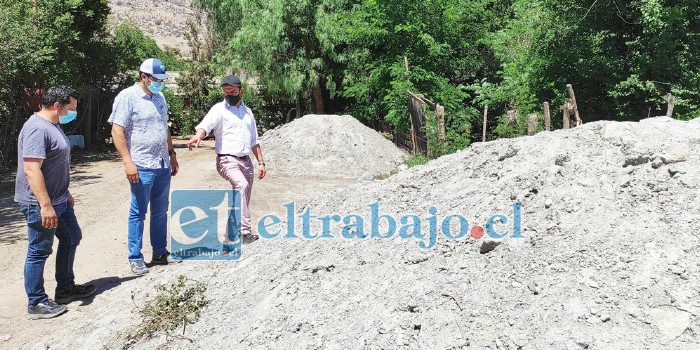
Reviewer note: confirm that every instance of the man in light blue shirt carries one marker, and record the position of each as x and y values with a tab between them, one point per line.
142	137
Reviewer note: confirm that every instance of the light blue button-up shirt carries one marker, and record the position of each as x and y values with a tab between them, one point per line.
145	122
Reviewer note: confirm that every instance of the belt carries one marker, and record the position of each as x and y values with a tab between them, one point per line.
234	156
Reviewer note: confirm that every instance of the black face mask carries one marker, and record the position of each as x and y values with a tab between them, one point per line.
232	99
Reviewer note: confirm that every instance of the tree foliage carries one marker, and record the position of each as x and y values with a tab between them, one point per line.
66	42
362	56
350	56
622	57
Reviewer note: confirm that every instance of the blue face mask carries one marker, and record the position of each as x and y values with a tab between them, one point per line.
65	119
155	87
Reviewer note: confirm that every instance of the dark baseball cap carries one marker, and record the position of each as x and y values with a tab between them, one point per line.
231	80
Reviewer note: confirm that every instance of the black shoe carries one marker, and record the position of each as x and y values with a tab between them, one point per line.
47	309
164	259
249	238
77	292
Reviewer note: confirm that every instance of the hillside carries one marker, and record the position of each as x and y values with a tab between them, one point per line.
164	21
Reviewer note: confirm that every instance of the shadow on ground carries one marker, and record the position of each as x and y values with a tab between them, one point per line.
12	222
104	284
12	227
81	160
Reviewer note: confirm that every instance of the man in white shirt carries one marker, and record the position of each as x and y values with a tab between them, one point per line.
236	135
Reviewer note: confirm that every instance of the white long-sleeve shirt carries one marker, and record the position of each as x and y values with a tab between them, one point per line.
233	127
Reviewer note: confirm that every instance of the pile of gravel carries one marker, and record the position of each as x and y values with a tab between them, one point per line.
610	215
609	259
329	146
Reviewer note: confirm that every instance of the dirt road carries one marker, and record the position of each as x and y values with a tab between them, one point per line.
102	201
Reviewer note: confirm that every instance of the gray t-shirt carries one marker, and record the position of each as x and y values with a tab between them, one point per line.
45	140
145	122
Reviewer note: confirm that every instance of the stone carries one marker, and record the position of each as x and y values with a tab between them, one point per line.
488	245
676	155
670	321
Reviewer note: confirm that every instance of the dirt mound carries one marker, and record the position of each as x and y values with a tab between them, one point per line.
608	258
329	146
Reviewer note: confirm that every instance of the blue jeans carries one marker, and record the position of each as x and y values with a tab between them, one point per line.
153	187
40	243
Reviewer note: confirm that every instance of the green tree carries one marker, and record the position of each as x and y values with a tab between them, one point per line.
131	47
622	58
277	42
435	48
65	42
20	60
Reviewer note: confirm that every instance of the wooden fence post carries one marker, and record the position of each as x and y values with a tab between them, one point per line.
671	104
547	118
483	134
572	97
413	141
512	116
420	145
567	116
440	115
531	124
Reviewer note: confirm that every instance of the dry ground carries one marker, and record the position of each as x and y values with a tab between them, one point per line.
102	202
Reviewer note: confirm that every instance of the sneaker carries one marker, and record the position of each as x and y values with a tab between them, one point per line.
164	259
138	267
249	238
47	309
77	292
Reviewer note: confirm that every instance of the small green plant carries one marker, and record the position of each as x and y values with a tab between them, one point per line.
456	136
431	129
175	305
418	159
385	176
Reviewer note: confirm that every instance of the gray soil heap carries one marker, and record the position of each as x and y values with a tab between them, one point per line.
609	258
329	146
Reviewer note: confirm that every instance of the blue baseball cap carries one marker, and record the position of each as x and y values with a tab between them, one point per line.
154	67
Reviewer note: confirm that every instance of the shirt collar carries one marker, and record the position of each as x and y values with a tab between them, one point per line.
229	106
141	93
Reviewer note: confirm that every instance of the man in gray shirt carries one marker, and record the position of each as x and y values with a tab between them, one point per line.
41	190
142	137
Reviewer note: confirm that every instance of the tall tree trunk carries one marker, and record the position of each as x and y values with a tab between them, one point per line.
35	6
318	99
